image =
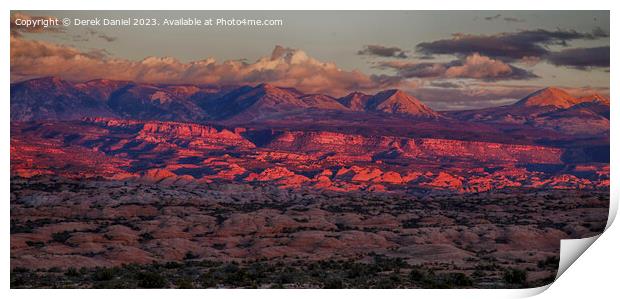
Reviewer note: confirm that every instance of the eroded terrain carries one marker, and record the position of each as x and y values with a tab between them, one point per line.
99	233
186	153
120	184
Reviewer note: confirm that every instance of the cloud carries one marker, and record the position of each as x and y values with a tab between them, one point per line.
107	37
512	19
37	24
474	66
492	17
445	84
581	58
507	46
285	67
87	35
471	96
482	67
507	19
415	70
382	51
101	35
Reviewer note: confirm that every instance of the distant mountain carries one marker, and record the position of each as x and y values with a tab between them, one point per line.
320	101
355	101
550	96
550	108
153	103
595	98
251	103
398	102
54	98
57	99
100	88
392	101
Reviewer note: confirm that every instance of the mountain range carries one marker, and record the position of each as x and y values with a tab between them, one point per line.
52	98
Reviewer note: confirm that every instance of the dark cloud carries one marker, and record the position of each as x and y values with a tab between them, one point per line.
507	19
515	20
78	38
507	46
386	80
101	35
581	58
474	66
106	37
445	84
492	17
382	51
415	70
90	33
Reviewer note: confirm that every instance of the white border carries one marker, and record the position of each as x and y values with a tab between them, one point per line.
595	272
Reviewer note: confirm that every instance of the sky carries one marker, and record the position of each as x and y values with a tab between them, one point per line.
448	59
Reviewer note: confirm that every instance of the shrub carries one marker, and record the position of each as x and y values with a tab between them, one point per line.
333	283
515	276
103	274
36	244
357	270
20	270
190	256
551	261
417	275
61	237
411	223
185	283
208	281
219	246
459	279
151	280
145	237
172	265
72	272
387	263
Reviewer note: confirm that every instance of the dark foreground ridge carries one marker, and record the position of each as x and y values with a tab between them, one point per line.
379	272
